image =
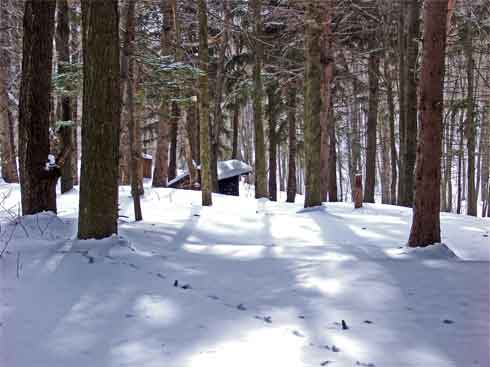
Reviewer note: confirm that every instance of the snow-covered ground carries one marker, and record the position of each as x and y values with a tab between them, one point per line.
243	283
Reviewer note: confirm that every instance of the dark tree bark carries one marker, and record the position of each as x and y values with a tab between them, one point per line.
205	146
161	171
391	117
37	179
327	59
410	98
426	217
260	167
373	74
133	126
291	104
236	122
332	158
313	105
173	135
472	199
98	208
273	99
218	100
7	145
66	131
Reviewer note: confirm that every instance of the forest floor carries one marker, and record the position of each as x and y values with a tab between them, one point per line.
243	283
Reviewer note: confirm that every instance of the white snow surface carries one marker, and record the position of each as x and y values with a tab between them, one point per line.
258	284
226	169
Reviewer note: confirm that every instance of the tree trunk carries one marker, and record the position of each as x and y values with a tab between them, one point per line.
206	183
313	105
37	178
98	208
402	67
274	100
327	59
7	147
66	130
236	122
161	171
260	167
133	127
373	74
472	199
391	118
426	217
332	158
291	185
410	135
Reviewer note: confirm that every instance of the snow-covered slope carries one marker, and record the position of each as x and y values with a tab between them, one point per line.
243	283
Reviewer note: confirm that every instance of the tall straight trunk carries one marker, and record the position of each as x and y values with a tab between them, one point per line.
385	161
218	100
472	200
339	166
485	157
273	99
98	208
236	122
124	145
206	183
133	126
37	180
332	157
7	146
281	166
449	163
76	51
426	217
190	144
327	59
313	105
173	135
291	104
410	135
66	131
460	164
257	95
392	138
160	172
373	74
402	67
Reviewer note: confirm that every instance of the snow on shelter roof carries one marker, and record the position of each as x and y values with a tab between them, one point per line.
231	168
226	169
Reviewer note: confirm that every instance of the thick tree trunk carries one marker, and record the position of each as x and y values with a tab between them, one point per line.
313	105
373	74
291	104
98	208
426	217
410	99
37	179
66	132
260	166
206	183
173	135
7	146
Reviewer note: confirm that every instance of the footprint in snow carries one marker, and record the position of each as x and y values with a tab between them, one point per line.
298	333
365	364
214	297
266	319
241	307
324	363
447	321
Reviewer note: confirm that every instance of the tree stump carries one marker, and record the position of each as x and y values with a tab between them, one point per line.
358	191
